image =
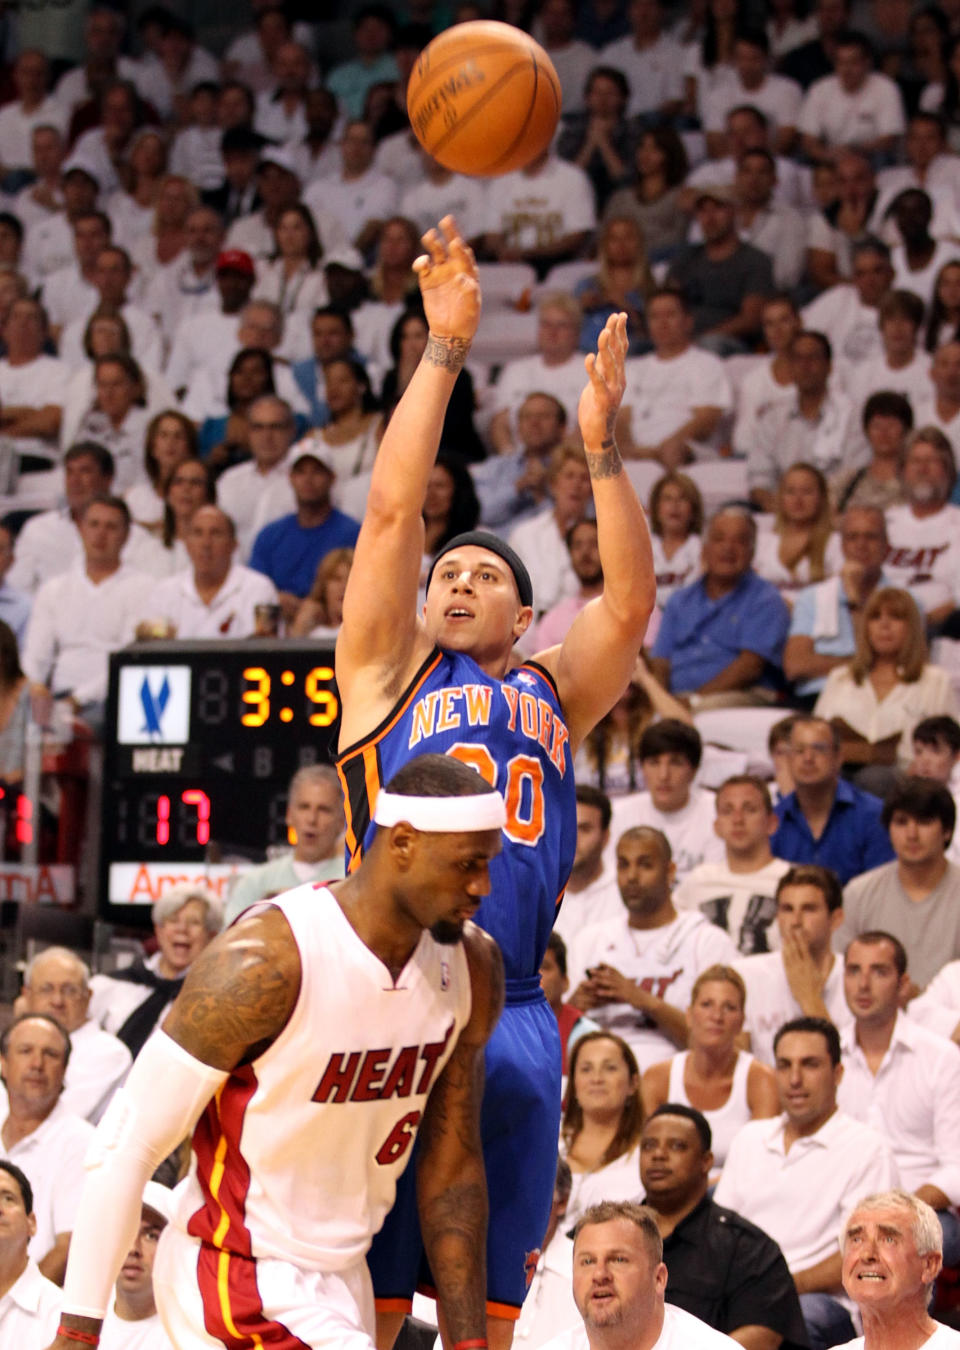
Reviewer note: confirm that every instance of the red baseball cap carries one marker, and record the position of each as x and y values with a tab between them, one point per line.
235	260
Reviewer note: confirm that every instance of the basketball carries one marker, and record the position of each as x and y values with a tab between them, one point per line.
483	98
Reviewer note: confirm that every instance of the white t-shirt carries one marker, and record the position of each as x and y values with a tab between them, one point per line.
145	1334
924	554
200	340
681	1331
839	118
741	903
36	384
17	126
860	379
678	571
767	564
541	546
944	1338
531	375
619	1180
758	391
355	201
664	960
67	295
654	74
596	903
689	830
770	1000
426	202
922	282
852	327
534	210
777	97
938	1007
662	394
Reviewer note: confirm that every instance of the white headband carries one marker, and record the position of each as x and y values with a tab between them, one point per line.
453	815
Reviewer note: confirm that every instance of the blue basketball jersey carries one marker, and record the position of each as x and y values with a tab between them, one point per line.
512	731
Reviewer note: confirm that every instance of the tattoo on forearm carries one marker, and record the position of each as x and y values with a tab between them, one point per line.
447	353
454	1228
606	464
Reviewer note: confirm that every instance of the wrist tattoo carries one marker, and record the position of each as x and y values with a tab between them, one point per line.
447	353
606	464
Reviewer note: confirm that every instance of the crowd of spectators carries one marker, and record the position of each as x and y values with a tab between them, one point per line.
208	314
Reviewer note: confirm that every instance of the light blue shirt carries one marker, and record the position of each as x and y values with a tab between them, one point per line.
15	610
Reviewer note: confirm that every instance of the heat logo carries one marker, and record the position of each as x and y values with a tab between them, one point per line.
154	705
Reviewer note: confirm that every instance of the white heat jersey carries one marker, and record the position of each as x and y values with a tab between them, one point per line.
297	1156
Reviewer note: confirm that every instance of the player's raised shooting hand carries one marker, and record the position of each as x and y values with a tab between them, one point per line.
447	273
606	372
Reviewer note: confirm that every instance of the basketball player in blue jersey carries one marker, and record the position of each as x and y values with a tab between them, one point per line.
444	682
311	1042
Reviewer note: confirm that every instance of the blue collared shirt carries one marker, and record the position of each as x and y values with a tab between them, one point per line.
853	839
700	637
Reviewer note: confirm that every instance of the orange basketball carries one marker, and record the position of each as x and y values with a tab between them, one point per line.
484	98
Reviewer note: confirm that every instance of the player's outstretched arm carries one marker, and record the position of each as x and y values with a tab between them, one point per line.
451	1183
595	661
236	999
378	610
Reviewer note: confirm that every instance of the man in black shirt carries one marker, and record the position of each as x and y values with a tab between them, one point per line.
722	1268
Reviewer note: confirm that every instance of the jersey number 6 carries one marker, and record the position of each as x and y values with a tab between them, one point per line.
399	1139
525	819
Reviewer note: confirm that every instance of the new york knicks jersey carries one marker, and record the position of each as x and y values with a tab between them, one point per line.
512	731
298	1154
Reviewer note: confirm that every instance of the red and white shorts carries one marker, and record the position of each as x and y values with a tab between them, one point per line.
208	1299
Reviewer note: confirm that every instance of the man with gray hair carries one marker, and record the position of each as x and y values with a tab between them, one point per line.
722	636
132	1001
892	1254
619	1281
924	552
315	820
57	982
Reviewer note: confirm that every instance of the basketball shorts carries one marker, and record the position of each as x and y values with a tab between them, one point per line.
520	1125
208	1299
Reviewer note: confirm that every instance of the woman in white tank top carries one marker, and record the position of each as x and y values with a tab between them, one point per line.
729	1086
600	1131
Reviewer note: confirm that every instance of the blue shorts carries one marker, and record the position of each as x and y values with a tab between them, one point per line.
520	1125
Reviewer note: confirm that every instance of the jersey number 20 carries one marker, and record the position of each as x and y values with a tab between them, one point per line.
524	826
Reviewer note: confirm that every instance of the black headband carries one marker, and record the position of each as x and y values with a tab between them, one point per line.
483	539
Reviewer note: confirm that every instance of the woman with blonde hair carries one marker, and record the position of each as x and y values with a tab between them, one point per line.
676	523
802	548
878	697
620	284
321	612
725	1083
601	1124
